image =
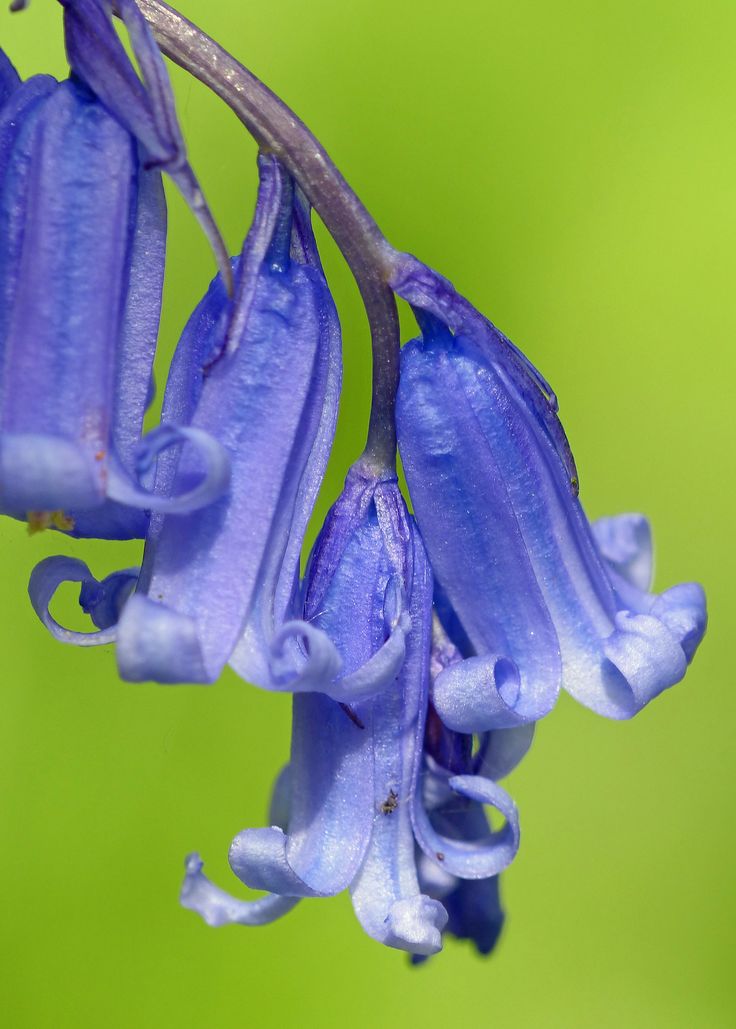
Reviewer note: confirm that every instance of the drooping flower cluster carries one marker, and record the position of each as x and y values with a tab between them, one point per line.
420	649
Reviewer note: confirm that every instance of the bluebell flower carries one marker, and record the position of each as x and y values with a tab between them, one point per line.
259	376
540	602
355	805
81	264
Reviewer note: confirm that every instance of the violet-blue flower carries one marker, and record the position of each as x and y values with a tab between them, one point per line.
495	495
355	803
82	261
259	376
263	380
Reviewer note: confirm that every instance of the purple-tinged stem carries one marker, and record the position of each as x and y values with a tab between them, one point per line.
277	130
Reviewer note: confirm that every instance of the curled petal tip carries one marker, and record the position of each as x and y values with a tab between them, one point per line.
50	573
218	908
483	693
207	487
415	924
476	859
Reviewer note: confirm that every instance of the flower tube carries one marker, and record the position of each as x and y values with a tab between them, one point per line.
82	261
495	494
261	377
357	735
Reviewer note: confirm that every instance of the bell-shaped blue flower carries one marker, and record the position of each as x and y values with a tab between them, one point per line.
494	490
259	378
355	806
81	264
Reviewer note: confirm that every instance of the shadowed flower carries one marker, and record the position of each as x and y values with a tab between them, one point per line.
495	494
81	265
355	807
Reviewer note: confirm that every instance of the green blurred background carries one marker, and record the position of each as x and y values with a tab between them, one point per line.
571	166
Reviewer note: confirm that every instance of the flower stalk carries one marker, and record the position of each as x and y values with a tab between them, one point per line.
279	131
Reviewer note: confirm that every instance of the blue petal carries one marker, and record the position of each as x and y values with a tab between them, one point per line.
211	484
503	750
9	78
103	601
625	542
683	610
386	894
155	641
57	394
18	129
435	297
332	792
462	504
475	913
258	858
478	694
272	620
98	598
471	859
473	905
218	908
317	664
135	355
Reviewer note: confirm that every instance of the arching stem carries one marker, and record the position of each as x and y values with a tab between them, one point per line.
278	130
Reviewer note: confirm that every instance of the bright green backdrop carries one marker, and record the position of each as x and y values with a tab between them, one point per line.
571	166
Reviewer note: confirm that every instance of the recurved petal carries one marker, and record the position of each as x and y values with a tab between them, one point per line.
683	610
473	905
332	792
155	641
258	858
103	601
209	485
625	542
502	750
477	858
478	694
97	598
217	907
311	663
646	655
